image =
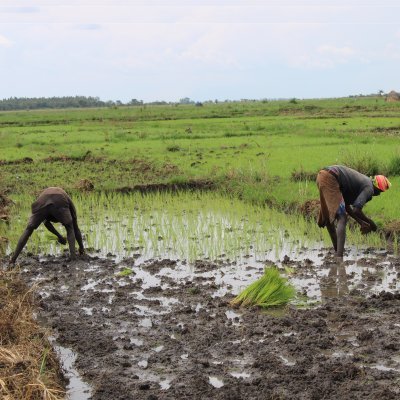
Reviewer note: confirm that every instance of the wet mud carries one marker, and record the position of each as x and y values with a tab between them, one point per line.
155	333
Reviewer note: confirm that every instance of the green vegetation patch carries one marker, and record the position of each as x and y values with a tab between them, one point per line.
270	290
125	272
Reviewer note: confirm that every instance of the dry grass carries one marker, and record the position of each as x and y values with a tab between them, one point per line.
29	368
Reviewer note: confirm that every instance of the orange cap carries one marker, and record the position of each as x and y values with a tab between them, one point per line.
381	182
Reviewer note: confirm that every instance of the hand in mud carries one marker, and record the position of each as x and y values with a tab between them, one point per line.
365	228
62	240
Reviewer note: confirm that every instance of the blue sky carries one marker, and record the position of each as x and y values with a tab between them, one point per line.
167	50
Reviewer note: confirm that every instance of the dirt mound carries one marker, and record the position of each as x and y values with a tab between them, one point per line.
310	209
392	229
5	202
25	160
85	185
299	176
164	187
87	157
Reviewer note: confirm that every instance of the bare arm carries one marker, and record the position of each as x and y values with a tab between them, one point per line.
54	231
21	243
358	215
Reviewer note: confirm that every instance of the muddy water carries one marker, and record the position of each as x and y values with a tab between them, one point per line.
167	331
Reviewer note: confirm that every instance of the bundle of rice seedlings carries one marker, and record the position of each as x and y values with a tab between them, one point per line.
268	291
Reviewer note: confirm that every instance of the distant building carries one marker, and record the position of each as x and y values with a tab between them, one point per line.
393	96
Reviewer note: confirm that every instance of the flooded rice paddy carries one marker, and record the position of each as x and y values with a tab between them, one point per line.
147	312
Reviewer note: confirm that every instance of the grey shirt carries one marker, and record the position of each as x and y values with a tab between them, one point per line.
357	189
55	196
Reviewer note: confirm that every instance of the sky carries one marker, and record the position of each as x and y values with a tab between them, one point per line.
205	50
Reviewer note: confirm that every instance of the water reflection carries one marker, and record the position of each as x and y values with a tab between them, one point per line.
336	283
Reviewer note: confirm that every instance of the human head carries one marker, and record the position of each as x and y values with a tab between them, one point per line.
381	182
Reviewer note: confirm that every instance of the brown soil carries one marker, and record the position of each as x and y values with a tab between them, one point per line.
134	338
5	203
25	160
200	184
310	209
85	185
392	229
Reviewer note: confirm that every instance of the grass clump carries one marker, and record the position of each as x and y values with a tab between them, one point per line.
362	161
125	272
268	291
394	166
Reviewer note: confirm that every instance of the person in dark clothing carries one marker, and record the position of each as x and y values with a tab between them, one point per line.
53	205
344	191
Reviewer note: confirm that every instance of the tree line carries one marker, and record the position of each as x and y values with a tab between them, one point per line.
24	103
34	103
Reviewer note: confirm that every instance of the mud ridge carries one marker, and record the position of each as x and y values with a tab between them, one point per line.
168	187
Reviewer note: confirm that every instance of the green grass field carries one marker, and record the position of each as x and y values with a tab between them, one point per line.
247	149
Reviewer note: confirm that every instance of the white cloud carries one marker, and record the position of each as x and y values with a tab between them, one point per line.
4	42
343	52
183	44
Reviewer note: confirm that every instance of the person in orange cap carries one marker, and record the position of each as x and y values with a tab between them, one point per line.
344	191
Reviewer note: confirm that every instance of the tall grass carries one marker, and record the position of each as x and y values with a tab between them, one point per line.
365	162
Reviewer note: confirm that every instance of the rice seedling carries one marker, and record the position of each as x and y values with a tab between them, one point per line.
125	272
270	290
183	225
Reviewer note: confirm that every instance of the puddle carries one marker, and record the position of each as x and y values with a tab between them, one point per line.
165	384
88	310
215	381
290	362
234	317
146	323
77	389
90	285
136	342
238	375
381	367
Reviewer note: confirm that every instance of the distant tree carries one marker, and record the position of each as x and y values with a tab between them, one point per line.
185	100
135	102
